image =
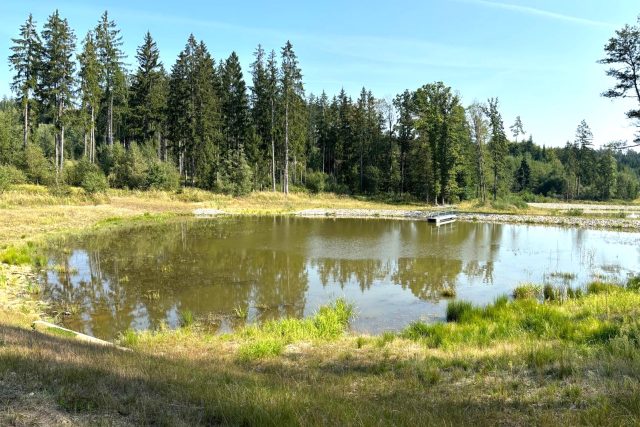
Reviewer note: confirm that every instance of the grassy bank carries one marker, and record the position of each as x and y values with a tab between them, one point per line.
515	362
539	357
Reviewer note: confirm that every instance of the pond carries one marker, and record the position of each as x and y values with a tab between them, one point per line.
229	271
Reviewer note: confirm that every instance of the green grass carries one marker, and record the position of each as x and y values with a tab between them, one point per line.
527	291
186	318
22	255
456	310
524	361
270	338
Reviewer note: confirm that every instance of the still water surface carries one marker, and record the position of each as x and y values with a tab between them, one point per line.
395	272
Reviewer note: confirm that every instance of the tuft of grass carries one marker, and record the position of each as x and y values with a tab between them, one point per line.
186	318
602	288
457	310
329	323
361	341
129	338
240	312
633	284
551	293
385	338
22	255
261	349
527	291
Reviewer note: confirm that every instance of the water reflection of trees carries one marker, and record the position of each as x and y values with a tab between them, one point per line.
145	276
156	271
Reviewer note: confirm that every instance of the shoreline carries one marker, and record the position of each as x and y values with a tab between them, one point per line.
619	224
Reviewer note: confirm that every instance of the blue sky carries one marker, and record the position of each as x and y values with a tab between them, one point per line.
538	56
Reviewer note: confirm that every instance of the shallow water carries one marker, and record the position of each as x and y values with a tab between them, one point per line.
393	271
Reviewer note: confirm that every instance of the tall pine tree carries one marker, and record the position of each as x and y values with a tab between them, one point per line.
113	79
25	60
90	92
57	83
292	92
147	96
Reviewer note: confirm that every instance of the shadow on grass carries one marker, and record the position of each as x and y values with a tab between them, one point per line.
104	385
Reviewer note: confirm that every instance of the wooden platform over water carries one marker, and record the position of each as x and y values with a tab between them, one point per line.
442	218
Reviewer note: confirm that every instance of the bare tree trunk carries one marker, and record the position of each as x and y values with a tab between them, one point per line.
26	124
110	121
273	149
57	150
286	148
61	148
92	137
180	159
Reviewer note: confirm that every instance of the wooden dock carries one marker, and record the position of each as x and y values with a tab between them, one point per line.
442	218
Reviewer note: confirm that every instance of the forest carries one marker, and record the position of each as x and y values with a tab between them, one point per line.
80	117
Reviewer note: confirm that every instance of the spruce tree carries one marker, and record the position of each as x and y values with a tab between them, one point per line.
585	158
25	59
113	79
292	92
57	82
90	92
405	131
498	144
193	115
147	95
273	95
260	105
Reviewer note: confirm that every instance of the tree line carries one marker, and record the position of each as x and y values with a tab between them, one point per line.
81	117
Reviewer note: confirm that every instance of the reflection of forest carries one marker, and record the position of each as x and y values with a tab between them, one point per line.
145	276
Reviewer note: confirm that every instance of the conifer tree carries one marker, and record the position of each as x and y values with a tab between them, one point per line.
90	92
517	128
147	96
498	145
24	59
405	131
273	94
236	119
585	159
261	104
479	132
57	82
292	92
113	82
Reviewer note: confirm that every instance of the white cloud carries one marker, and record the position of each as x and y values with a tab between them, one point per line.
538	12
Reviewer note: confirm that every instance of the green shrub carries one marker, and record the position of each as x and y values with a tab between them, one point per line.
94	182
162	176
456	310
38	168
575	212
10	175
509	202
315	182
128	167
